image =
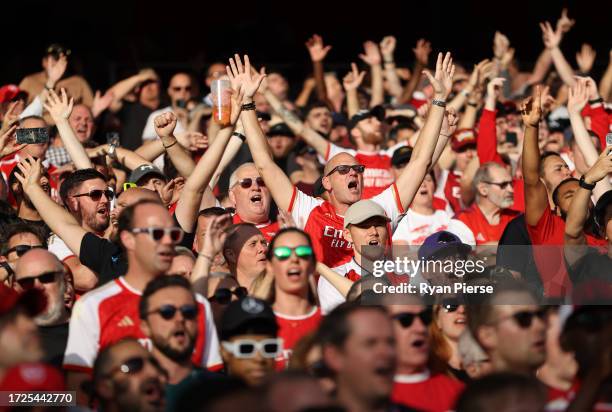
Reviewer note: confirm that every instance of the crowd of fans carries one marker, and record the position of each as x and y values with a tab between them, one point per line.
155	258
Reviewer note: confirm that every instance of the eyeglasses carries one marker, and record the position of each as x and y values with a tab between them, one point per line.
157	233
22	249
284	252
525	318
134	365
44	278
168	312
96	194
179	88
450	305
344	169
501	185
247	348
248	182
406	319
223	296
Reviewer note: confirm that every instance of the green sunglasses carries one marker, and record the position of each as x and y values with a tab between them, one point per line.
284	252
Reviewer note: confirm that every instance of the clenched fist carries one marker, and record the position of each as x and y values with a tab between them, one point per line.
165	124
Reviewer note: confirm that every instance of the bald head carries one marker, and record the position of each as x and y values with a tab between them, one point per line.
37	261
339	159
130	197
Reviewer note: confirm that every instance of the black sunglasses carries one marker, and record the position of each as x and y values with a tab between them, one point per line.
44	278
344	169
134	365
248	182
223	296
406	319
157	233
179	88
168	312
451	305
22	249
525	318
501	185
96	194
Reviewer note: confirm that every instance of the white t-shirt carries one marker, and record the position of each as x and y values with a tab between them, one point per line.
148	132
414	228
59	248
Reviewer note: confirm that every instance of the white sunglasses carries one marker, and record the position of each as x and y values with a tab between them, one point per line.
247	348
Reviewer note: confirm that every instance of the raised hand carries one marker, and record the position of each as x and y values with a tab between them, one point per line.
591	87
285	219
495	86
29	173
449	123
8	145
500	45
442	81
165	124
55	70
192	141
316	48
59	107
531	109
551	38
387	47
601	168
479	73
547	100
371	55
421	51
578	97
101	103
564	24
12	115
243	78
353	79
585	58
215	235
167	192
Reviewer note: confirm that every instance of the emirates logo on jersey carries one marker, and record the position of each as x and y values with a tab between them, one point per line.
125	322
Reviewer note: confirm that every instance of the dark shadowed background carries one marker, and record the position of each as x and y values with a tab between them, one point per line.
112	39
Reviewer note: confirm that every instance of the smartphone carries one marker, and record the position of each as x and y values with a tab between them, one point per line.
34	135
112	138
609	139
181	103
511	138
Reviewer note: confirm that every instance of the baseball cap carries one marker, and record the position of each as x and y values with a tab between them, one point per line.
376	111
280	129
363	210
9	92
33	300
601	206
462	138
32	377
144	170
439	242
246	314
401	156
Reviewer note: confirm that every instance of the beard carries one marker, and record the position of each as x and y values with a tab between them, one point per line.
177	355
96	225
53	314
506	203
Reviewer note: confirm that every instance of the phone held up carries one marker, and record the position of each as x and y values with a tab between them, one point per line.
34	135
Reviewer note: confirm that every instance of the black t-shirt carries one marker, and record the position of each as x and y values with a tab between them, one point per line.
54	340
133	117
592	267
103	257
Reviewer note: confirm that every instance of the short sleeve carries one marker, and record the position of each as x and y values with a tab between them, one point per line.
301	205
390	201
333	150
329	297
59	248
83	337
95	252
212	353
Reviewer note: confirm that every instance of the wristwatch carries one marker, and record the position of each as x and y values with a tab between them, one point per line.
585	185
112	151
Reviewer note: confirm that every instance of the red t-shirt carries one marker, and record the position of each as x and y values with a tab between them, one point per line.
452	190
436	393
484	232
559	400
291	329
268	229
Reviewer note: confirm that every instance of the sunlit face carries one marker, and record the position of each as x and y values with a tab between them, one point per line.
555	170
82	122
252	203
182	265
346	188
369	130
95	215
252	257
452	324
128	198
320	119
253	371
502	197
424	196
369	237
412	341
291	275
25	238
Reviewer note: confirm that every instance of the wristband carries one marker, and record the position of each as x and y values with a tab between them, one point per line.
595	101
389	61
239	135
472	104
210	259
440	103
585	185
249	106
48	88
170	145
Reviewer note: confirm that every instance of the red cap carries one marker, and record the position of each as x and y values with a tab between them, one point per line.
462	138
31	377
33	300
8	92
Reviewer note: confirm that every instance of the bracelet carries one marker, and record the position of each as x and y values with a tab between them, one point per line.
595	101
389	62
206	257
239	135
170	145
440	103
249	106
585	185
472	104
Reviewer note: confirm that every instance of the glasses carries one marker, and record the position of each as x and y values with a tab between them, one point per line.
248	348
248	182
157	233
501	185
450	305
179	88
525	318
96	194
217	211
44	278
344	169
406	319
22	249
134	365
168	312
223	296
284	252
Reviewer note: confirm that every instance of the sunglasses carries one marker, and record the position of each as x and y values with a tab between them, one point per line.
22	249
168	312
134	365
501	185
524	318
178	88
96	194
450	305
248	182
248	348
223	296
44	278
284	252
345	169
157	233
406	319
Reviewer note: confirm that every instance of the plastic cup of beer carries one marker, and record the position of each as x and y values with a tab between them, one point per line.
221	97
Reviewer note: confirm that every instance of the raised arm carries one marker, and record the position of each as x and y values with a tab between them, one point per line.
412	176
279	184
121	89
318	52
479	74
210	246
371	57
421	53
605	84
486	144
60	108
351	83
552	39
56	217
387	47
536	196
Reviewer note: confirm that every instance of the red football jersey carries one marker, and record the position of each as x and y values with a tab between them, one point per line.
268	229
436	393
291	329
484	232
10	162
